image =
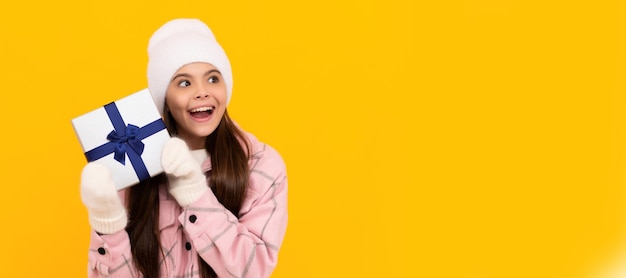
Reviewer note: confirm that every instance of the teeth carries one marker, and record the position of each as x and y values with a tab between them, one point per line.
202	109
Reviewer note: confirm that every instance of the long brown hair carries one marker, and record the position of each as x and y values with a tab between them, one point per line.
228	150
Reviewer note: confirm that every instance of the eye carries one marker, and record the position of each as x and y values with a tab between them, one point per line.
213	79
184	83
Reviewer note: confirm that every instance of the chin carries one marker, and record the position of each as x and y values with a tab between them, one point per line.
206	131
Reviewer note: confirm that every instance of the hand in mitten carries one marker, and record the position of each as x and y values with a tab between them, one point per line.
187	183
98	193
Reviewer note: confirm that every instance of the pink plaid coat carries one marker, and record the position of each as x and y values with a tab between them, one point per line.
244	246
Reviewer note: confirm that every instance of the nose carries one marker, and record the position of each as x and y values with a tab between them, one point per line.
202	93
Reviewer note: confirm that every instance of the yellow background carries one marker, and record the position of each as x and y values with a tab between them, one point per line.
470	138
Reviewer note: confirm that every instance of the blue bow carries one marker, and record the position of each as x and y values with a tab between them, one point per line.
130	139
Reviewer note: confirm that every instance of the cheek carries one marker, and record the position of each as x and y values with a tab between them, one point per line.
219	113
221	96
173	102
175	107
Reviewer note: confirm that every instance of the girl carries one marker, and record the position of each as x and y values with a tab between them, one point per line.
220	208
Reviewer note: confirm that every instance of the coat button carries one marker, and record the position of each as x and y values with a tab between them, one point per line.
188	246
193	218
102	251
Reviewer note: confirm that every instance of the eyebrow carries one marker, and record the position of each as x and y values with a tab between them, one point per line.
212	71
189	75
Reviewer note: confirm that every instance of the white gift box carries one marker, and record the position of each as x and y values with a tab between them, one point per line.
127	136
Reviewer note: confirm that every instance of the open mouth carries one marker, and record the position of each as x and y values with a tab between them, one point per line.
202	112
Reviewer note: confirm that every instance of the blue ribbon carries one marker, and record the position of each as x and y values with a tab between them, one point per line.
125	140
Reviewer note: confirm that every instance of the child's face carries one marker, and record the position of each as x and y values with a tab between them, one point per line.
196	97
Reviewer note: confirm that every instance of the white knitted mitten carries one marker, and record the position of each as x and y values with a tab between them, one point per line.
98	193
187	183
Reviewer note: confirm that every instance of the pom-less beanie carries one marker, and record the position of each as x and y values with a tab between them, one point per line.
180	42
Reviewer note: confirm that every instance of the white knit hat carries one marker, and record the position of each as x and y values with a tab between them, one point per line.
180	42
